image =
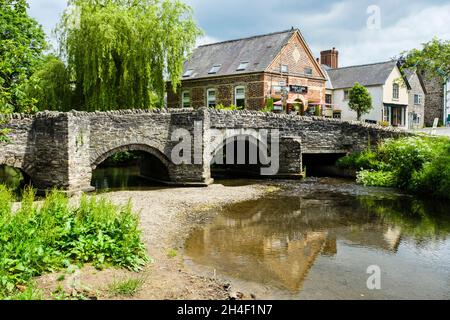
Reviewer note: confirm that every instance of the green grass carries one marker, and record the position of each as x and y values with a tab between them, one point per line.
172	253
127	287
45	238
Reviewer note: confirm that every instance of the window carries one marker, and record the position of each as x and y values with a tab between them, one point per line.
188	73
239	97
417	99
328	99
242	66
386	114
284	68
395	91
347	95
308	71
215	69
186	99
211	98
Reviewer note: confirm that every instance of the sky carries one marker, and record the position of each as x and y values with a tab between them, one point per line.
363	31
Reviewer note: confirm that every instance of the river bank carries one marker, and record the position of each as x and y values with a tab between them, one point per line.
167	217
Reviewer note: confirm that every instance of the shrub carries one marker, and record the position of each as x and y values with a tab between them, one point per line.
39	239
376	178
358	161
417	164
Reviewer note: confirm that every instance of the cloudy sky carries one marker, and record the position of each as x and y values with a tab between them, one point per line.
363	31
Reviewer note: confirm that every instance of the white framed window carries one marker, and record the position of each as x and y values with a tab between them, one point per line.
417	99
188	73
308	71
186	99
242	66
211	98
395	91
239	96
284	68
347	95
216	68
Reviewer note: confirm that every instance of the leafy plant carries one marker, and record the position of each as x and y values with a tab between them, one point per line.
45	238
376	178
416	164
229	108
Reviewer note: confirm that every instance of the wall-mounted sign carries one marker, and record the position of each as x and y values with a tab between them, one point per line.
298	89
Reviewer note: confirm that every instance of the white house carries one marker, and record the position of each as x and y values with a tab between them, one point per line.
389	90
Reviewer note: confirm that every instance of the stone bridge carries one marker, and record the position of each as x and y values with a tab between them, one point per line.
62	149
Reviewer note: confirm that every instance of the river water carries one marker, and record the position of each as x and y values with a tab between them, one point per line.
317	239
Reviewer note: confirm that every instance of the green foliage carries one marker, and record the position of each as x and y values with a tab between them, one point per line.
376	178
360	100
121	158
119	51
229	108
128	287
434	58
357	161
50	86
417	164
22	42
44	238
4	132
269	105
172	253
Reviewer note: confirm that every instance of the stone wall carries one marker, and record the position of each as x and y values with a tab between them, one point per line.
61	149
434	99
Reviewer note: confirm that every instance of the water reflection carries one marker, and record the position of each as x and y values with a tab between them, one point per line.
106	179
277	242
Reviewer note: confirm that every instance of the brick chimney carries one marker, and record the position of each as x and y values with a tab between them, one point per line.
330	58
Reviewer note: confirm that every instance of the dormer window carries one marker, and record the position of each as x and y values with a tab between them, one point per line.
284	68
242	66
215	69
188	73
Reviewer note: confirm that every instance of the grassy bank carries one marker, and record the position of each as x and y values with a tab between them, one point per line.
53	235
418	164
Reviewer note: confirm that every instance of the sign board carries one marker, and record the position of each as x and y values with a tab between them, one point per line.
282	83
298	89
278	108
435	125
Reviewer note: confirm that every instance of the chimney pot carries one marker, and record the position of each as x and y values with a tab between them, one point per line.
330	58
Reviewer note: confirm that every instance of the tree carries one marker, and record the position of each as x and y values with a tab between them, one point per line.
120	51
433	59
22	42
360	100
50	85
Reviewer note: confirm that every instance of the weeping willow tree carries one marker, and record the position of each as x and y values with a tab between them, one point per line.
120	52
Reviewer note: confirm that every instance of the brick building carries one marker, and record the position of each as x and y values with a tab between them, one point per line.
246	72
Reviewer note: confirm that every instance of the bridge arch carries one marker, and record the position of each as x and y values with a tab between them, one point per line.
247	161
155	165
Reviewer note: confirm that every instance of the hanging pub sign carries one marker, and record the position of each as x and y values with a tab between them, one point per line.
298	89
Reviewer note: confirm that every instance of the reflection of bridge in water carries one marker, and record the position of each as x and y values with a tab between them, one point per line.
278	246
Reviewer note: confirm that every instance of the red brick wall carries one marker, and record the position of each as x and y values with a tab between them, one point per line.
225	86
258	85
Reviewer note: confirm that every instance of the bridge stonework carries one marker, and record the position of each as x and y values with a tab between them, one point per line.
62	149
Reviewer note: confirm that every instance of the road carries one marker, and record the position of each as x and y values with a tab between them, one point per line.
439	131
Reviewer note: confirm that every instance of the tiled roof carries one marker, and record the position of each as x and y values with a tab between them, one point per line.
367	75
258	51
